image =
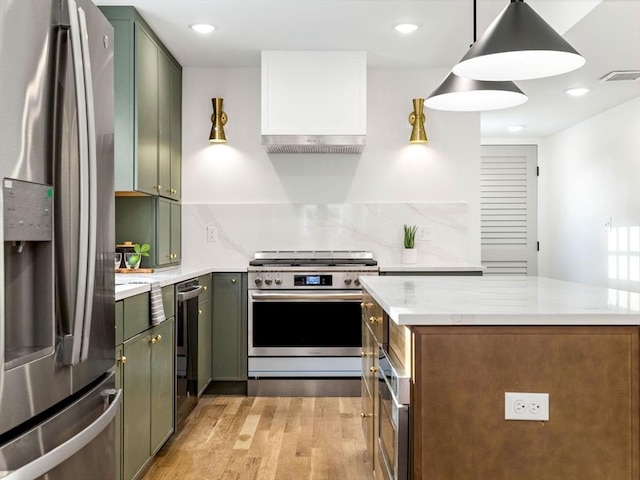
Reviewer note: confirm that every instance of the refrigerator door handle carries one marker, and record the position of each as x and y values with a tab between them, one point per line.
93	184
83	144
62	452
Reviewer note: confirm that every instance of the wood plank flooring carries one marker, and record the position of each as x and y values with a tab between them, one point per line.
267	438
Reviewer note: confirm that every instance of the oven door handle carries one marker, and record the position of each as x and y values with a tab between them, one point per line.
307	296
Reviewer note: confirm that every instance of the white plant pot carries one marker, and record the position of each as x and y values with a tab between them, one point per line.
409	256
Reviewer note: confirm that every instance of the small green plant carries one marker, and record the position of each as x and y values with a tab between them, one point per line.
140	251
410	235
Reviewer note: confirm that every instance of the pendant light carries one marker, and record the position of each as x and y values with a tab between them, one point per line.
518	45
458	94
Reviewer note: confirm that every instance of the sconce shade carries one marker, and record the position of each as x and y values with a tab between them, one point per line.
219	120
416	119
459	94
518	45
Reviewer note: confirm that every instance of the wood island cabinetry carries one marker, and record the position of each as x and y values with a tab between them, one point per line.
461	371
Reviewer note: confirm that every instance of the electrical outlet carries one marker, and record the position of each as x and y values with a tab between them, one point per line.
424	233
526	406
212	233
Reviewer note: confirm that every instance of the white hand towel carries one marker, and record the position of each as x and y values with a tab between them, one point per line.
157	309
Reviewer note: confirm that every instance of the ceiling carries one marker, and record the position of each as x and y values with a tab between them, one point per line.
605	32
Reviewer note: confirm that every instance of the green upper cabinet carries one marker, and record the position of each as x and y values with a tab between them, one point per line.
148	108
152	220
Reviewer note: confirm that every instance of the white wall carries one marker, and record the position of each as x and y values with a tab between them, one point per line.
389	171
589	173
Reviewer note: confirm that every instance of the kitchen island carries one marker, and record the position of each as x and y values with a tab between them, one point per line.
466	341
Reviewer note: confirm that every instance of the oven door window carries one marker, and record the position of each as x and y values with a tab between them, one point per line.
306	324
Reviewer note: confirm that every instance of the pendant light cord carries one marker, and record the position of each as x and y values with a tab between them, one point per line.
474	23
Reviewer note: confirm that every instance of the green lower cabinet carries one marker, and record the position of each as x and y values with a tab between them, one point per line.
229	335
162	384
136	404
204	333
148	379
204	346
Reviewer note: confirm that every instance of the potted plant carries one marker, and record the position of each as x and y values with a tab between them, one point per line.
132	259
410	254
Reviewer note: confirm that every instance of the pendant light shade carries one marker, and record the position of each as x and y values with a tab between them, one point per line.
459	94
518	45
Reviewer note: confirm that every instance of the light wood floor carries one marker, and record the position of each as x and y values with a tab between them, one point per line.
267	438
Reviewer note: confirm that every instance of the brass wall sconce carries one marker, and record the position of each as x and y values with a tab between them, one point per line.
219	120
416	119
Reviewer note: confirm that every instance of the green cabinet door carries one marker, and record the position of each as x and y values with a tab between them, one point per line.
176	232
176	132
204	346
229	335
147	118
164	126
163	233
135	408
162	383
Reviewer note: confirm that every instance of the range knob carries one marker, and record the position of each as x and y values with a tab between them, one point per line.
357	281
347	280
258	281
268	280
278	281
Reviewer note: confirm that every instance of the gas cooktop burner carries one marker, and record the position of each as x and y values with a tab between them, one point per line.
313	258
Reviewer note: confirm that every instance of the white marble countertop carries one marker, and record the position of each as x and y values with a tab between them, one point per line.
490	300
130	284
454	267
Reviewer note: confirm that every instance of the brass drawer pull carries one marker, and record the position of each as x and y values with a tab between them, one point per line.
373	370
122	359
375	319
366	304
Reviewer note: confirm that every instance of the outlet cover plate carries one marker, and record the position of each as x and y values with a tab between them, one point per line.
526	406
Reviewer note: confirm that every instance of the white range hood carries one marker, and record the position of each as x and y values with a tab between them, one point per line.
314	102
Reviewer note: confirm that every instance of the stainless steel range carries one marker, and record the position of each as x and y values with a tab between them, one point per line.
304	322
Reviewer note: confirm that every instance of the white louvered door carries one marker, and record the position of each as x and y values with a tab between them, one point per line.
508	211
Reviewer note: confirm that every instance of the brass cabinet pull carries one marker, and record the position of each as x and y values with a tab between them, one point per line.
205	288
122	359
373	370
363	354
366	304
233	280
153	340
159	187
375	319
199	312
159	337
363	415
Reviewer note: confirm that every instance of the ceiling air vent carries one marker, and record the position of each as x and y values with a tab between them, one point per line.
621	76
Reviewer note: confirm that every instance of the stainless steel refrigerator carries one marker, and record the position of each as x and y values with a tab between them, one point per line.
57	392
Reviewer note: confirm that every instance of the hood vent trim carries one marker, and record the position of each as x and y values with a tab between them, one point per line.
345	144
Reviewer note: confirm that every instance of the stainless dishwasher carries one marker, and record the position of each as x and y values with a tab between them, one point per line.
186	349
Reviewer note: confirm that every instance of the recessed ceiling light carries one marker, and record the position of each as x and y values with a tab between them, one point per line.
577	92
203	28
406	27
515	128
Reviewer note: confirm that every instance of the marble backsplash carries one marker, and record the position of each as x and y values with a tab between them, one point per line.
243	229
